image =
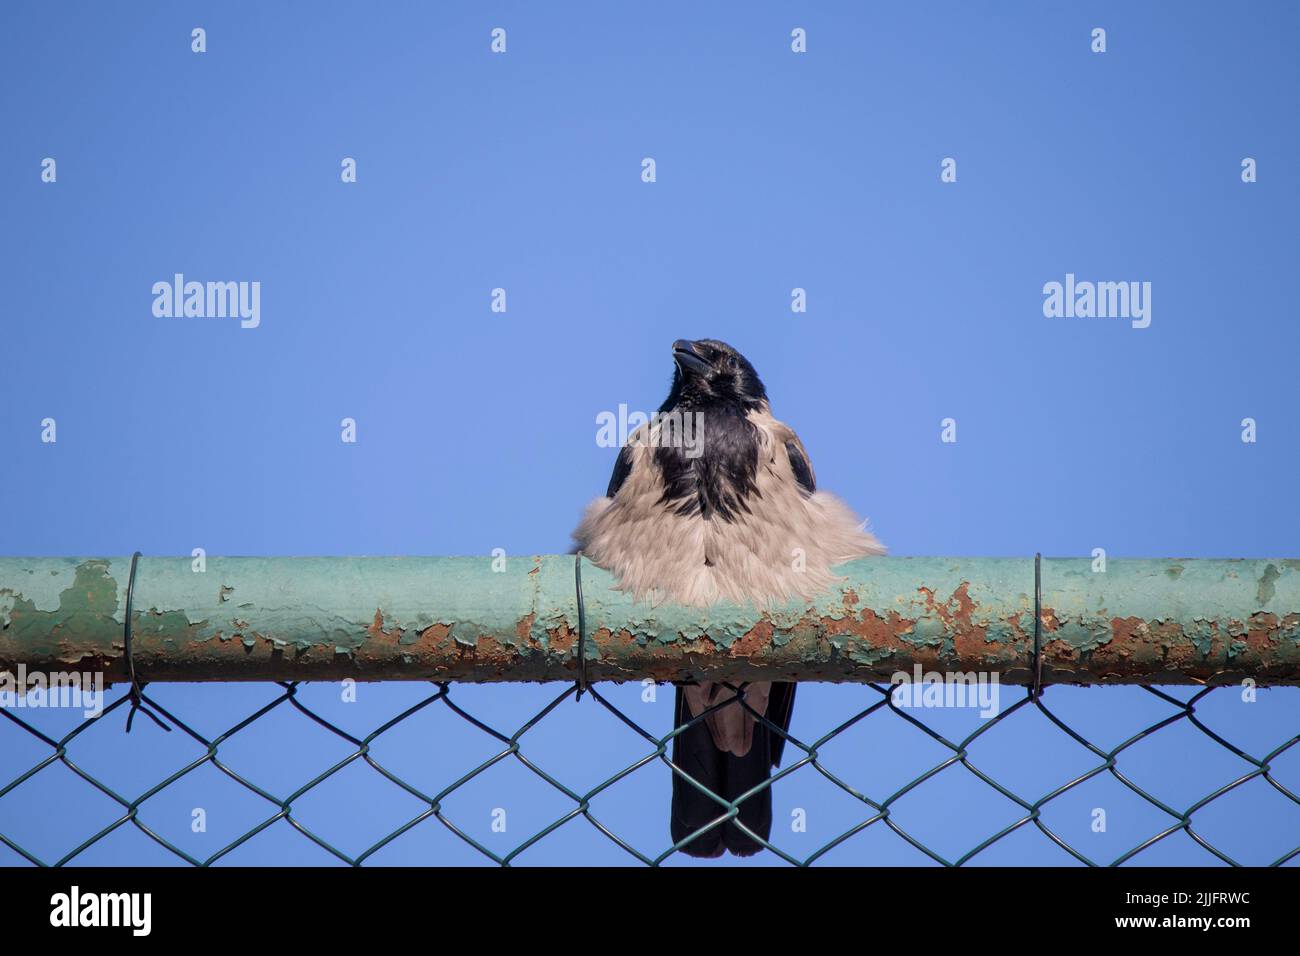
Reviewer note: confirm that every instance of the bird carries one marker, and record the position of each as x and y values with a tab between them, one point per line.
713	499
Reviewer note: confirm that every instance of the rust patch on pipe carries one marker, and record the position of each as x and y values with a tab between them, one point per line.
436	633
562	639
489	650
1261	635
1139	646
376	632
613	642
880	632
958	617
754	640
969	640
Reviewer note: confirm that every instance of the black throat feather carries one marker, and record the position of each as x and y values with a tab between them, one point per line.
719	481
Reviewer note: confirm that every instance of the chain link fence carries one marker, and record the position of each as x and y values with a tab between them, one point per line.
876	808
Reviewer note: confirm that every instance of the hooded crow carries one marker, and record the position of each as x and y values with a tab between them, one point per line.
733	515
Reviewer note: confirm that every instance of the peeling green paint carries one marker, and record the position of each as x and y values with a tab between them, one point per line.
458	619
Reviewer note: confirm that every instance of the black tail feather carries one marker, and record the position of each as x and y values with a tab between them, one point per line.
729	777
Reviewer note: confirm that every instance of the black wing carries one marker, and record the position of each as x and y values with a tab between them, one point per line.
803	472
622	468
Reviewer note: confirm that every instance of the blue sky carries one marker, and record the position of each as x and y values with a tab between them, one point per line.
476	429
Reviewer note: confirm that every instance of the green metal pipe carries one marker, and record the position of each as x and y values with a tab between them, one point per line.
1139	621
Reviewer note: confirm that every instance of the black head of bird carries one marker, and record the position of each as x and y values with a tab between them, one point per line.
712	373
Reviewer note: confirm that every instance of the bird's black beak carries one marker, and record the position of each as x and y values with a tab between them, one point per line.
688	359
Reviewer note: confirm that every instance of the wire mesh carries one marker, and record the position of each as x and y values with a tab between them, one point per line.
801	757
